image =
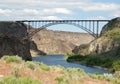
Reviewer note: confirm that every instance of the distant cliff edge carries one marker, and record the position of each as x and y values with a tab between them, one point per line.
59	42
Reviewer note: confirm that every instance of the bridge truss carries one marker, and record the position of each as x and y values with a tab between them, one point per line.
90	26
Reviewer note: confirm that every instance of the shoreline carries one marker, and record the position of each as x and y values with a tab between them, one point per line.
98	67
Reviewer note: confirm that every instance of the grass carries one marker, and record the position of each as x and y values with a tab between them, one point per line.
33	65
30	65
108	77
43	66
16	73
61	80
10	59
71	75
14	80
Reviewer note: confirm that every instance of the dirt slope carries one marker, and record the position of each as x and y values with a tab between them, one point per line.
52	42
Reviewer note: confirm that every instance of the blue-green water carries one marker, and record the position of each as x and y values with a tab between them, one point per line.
59	60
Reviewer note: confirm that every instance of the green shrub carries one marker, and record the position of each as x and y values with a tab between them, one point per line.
111	78
10	59
30	65
107	63
116	65
16	73
91	61
43	66
14	80
114	34
107	77
61	80
33	65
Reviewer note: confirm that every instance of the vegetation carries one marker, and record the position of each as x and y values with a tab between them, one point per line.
113	34
108	77
103	52
16	73
30	65
38	73
10	59
61	80
111	64
43	66
33	65
14	80
116	65
66	56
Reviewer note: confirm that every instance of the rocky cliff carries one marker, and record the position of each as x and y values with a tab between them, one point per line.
108	43
52	42
13	40
34	50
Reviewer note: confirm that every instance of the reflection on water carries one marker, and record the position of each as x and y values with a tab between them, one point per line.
59	60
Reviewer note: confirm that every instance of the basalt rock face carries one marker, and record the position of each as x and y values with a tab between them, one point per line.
114	23
14	40
107	43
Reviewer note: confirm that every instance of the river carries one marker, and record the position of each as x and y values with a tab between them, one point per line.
59	60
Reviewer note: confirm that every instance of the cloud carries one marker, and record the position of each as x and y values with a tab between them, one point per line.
86	5
116	14
38	3
100	7
30	11
25	14
96	18
50	18
57	11
5	12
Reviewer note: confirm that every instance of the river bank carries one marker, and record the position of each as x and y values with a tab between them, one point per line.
109	64
58	60
99	67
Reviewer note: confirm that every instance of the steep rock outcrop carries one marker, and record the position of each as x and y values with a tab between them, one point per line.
14	40
34	50
114	23
108	42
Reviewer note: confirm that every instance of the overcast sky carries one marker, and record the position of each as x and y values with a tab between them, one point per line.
58	9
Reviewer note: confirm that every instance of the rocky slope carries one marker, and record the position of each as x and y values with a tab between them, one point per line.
107	44
59	42
13	40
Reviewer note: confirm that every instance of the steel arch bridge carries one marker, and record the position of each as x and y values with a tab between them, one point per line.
90	26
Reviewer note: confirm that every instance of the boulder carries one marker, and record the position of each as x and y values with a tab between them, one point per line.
14	40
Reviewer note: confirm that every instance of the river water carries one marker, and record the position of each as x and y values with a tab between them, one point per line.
59	60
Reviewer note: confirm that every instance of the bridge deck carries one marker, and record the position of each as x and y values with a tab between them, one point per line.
61	20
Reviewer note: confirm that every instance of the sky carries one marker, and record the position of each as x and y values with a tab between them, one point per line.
59	10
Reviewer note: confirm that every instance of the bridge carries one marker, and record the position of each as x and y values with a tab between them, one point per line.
90	26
